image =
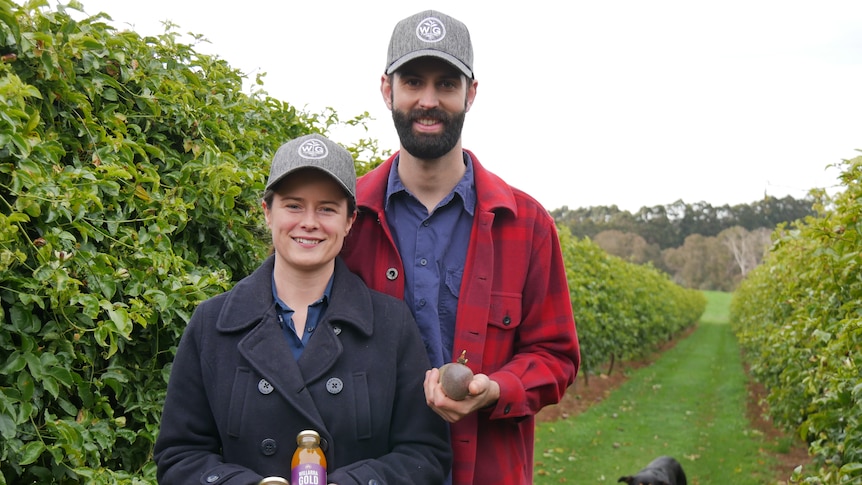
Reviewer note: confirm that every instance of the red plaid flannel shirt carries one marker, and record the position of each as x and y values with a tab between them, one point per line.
514	317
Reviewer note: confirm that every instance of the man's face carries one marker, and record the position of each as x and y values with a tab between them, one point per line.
429	99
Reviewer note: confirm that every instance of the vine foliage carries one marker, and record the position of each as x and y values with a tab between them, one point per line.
131	171
798	318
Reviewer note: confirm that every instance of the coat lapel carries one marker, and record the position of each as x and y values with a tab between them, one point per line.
251	309
264	347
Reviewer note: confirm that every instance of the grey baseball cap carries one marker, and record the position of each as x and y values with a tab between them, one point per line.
314	151
431	33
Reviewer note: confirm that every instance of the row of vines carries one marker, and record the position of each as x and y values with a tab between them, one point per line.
623	310
131	171
799	320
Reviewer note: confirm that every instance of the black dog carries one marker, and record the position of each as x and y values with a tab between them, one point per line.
664	470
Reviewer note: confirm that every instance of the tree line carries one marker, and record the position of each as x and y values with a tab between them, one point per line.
699	245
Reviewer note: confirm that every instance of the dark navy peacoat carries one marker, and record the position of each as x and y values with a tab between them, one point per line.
237	398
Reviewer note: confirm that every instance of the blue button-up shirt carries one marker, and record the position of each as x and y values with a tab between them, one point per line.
434	248
285	318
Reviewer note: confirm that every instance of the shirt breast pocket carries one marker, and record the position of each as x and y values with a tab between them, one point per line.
504	319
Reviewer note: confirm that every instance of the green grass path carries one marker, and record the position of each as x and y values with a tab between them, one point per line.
689	404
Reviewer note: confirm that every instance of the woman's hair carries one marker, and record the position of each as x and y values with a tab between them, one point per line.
270	193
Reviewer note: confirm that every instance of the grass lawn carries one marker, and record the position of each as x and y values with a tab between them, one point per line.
689	404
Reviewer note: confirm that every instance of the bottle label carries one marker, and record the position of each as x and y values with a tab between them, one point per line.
308	474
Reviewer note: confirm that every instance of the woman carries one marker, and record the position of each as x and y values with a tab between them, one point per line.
299	344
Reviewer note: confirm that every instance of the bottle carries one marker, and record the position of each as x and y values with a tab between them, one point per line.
308	466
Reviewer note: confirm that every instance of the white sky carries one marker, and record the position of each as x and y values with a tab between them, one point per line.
581	103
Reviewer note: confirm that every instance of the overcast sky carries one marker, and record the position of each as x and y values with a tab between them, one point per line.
581	103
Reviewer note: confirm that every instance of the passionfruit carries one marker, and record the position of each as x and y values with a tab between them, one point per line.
455	378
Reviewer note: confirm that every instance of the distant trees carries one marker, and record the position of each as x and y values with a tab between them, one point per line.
669	225
700	246
628	246
746	247
701	262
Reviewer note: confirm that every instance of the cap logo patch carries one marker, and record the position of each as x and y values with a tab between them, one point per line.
312	149
431	30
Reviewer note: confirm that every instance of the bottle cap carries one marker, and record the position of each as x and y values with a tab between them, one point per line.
307	433
274	481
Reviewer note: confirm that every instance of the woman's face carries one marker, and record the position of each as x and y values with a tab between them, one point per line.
308	220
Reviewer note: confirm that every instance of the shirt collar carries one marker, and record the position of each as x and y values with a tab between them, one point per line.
282	306
465	188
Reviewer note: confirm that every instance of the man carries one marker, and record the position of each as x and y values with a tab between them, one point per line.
478	262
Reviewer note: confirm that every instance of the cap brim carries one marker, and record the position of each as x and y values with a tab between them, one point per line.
272	183
430	53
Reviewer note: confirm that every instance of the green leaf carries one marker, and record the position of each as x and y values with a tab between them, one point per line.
851	468
50	385
26	385
121	319
89	304
24	319
8	430
31	452
108	287
14	363
62	375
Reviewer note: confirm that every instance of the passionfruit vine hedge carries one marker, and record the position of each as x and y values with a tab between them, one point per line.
131	171
623	310
799	321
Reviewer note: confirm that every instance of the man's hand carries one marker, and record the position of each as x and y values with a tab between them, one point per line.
483	393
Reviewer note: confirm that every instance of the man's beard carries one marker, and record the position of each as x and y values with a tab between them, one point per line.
426	146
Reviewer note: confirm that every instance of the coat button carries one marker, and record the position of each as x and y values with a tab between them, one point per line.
268	447
334	385
264	387
336	330
212	478
391	274
373	482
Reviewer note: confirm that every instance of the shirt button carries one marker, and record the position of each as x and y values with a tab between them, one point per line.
391	274
334	385
423	261
426	223
336	330
264	387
